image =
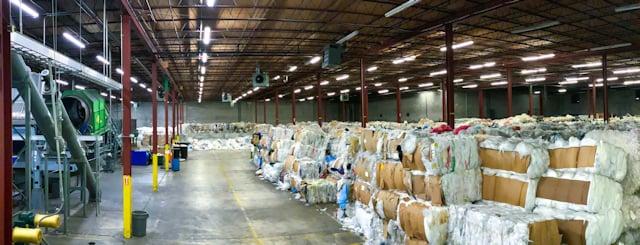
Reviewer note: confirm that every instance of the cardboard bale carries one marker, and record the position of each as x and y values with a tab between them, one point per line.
362	169
433	190
390	175
586	157
504	160
369	140
410	241
411	219
414	183
288	164
386	204
504	190
573	231
563	157
418	164
361	192
564	190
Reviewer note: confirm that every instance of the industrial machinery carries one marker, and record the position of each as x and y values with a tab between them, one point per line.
87	111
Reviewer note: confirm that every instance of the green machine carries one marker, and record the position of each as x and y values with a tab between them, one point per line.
87	110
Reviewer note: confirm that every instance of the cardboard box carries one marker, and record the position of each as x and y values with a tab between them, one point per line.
504	190
412	219
433	190
565	190
563	157
586	157
505	160
573	231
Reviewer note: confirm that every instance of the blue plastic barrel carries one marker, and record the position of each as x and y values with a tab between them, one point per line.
175	165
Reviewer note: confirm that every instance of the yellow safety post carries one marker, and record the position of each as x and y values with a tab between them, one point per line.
167	157
154	172
177	138
127	205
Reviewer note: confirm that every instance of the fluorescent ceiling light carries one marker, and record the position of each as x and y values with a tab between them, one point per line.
358	88
347	37
204	57
597	85
211	3
63	83
398	61
562	90
267	100
142	85
470	86
133	80
250	92
634	82
315	59
119	71
531	71
342	77
628	70
113	96
280	96
608	79
535	79
537	92
203	70
422	85
624	8
80	87
437	73
377	84
102	59
310	98
297	91
403	79
373	68
410	58
302	100
206	36
485	65
201	78
323	83
344	91
538	57
619	45
568	82
585	65
25	8
489	76
400	8
308	87
499	83
404	88
244	94
149	90
536	27
74	40
292	68
576	78
458	45
458	80
383	91
276	77
331	94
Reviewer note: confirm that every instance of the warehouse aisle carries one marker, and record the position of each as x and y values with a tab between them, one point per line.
215	199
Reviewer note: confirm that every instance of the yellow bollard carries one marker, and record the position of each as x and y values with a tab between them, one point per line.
177	138
126	205
26	235
167	158
154	172
46	220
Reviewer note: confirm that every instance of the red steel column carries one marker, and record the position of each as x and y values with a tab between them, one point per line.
593	97
364	97
449	63
481	103
605	87
398	106
127	196
293	105
319	102
173	117
154	108
6	203
166	117
509	93
277	98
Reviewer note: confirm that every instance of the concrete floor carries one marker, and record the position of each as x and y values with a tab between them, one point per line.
214	199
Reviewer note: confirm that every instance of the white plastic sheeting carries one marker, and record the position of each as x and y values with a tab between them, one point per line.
436	220
631	211
271	172
462	186
320	191
362	220
240	143
446	153
535	148
602	228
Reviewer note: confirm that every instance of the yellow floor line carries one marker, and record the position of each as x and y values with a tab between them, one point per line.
237	200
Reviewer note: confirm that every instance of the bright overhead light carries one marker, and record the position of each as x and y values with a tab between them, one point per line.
310	98
568	82
244	94
458	80
331	94
373	68
133	80
537	92
211	3
119	71
403	79
384	91
113	97
25	8
342	77
608	79
400	8
562	90
201	78
142	85
422	85
475	67
323	83
538	57
256	89
624	8
626	71
576	78
315	59
499	83
485	65
597	85
358	88
489	76
634	82
536	27
63	83
302	100
619	45
203	70
531	71
470	86
585	65
204	57
437	73
535	79
410	58
206	36
297	91
308	87
80	87
458	45
201	85
398	61
348	37
74	40
377	84
149	90
267	100
292	68
250	92
102	59
404	88
280	96
276	77
344	91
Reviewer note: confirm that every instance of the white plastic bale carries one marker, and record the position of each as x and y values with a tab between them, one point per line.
629	237
631	211
365	222
320	191
539	156
436	220
462	186
629	141
309	169
271	172
603	227
409	144
395	233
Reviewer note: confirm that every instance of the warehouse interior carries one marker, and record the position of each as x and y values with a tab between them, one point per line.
320	122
